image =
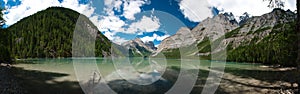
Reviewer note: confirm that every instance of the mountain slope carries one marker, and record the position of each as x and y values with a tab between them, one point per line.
268	39
137	47
49	33
210	27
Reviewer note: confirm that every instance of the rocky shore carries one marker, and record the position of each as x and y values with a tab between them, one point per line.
8	83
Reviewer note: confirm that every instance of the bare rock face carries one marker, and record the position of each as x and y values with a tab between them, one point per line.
215	27
210	27
183	37
258	27
139	47
150	44
225	26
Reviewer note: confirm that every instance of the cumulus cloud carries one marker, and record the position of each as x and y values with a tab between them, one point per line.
132	7
108	22
154	37
119	40
29	7
109	35
116	39
146	24
111	23
253	7
196	10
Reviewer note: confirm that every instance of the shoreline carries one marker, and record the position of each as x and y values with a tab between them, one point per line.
9	84
234	79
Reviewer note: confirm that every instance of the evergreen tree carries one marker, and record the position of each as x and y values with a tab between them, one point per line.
49	33
4	51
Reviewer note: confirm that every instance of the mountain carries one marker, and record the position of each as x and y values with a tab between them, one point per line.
212	27
151	45
267	39
49	33
137	47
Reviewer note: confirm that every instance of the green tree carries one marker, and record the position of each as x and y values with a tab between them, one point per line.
279	4
4	52
298	42
51	35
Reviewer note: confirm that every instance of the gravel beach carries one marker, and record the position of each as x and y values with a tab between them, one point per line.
8	83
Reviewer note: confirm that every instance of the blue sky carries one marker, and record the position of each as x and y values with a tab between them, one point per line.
150	20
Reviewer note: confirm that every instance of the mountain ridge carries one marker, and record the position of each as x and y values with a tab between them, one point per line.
255	31
139	48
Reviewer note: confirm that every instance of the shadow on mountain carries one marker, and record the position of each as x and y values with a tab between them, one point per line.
38	82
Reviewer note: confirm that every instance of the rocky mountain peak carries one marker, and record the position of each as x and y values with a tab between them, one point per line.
236	34
210	27
244	18
183	37
137	40
150	44
229	16
137	46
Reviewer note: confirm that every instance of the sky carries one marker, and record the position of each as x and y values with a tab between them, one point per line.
150	20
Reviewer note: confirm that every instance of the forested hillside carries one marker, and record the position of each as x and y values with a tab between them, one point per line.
49	33
4	52
269	39
279	47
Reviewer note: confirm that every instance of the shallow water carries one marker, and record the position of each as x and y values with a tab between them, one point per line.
140	75
108	66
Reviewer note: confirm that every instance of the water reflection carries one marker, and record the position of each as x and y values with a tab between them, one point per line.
137	71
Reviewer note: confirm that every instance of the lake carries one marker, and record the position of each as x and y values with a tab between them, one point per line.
129	75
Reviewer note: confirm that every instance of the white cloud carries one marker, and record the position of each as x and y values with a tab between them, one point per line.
119	40
109	35
290	4
253	7
111	5
112	23
146	24
117	5
5	1
29	7
196	10
154	37
132	7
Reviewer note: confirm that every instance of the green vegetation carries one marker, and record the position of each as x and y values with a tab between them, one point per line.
277	48
49	33
233	33
4	53
172	53
204	46
262	29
